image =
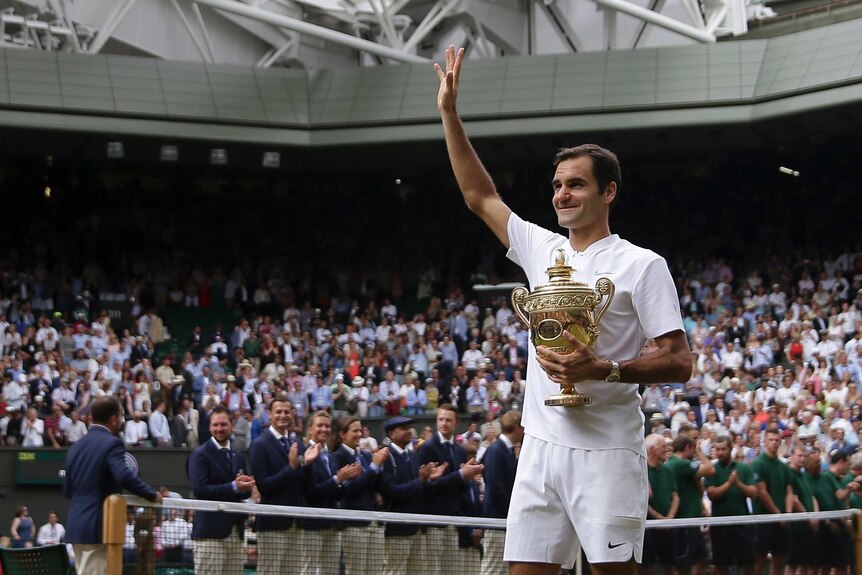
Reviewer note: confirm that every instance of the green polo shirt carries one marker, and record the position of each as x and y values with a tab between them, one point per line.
824	488
734	500
690	498
804	490
662	486
776	475
855	501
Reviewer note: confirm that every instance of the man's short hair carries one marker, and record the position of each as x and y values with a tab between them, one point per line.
281	398
606	166
450	407
723	439
681	443
510	421
837	456
220	409
104	408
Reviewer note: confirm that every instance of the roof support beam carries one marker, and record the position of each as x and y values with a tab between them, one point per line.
114	18
658	19
302	27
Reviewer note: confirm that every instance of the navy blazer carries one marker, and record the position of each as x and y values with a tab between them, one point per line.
278	483
321	491
359	493
444	497
95	468
211	477
500	466
403	491
471	504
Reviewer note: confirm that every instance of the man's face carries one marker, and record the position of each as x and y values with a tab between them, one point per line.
722	451
446	422
799	459
842	467
813	463
577	198
221	427
771	442
282	416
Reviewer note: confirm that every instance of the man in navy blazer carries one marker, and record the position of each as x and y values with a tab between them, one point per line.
500	466
446	495
280	465
96	467
404	484
216	473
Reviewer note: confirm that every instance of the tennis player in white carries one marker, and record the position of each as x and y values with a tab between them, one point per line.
582	479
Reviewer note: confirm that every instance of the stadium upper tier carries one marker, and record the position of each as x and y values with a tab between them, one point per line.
733	83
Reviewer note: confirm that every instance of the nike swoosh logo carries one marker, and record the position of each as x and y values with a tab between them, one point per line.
615	546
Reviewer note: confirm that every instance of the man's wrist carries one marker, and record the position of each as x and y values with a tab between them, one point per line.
610	370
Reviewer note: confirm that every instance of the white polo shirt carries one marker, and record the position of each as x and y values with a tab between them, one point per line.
645	306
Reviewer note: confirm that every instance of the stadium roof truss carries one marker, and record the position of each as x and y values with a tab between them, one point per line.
338	33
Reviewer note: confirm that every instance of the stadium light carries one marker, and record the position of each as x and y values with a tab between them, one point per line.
788	171
169	153
218	157
116	150
272	160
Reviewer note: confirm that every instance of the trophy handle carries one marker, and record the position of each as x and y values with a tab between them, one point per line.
519	297
604	287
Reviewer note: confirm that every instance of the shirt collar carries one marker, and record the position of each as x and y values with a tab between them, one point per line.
325	448
276	434
597	245
444	440
350	450
506	441
398	450
219	445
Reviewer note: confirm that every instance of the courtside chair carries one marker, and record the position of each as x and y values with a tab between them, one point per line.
47	560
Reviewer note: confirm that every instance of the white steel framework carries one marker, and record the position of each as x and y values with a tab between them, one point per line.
326	33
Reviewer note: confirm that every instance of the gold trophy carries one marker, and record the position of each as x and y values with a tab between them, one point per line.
563	305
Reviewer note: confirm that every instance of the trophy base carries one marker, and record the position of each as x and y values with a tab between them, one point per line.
568	400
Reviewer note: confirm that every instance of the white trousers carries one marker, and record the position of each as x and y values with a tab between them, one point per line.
219	556
322	552
279	551
90	559
443	556
362	547
492	559
406	555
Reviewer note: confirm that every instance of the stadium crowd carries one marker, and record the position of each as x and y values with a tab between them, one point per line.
776	367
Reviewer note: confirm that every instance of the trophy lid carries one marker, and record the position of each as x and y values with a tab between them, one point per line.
560	273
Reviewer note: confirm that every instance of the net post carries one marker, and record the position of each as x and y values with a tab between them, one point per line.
857	540
114	532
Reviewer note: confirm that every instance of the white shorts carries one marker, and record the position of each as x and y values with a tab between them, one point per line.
565	499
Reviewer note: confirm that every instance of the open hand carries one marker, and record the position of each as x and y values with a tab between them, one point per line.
311	453
567	369
447	95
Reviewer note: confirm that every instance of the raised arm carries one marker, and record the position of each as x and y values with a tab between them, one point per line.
475	182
